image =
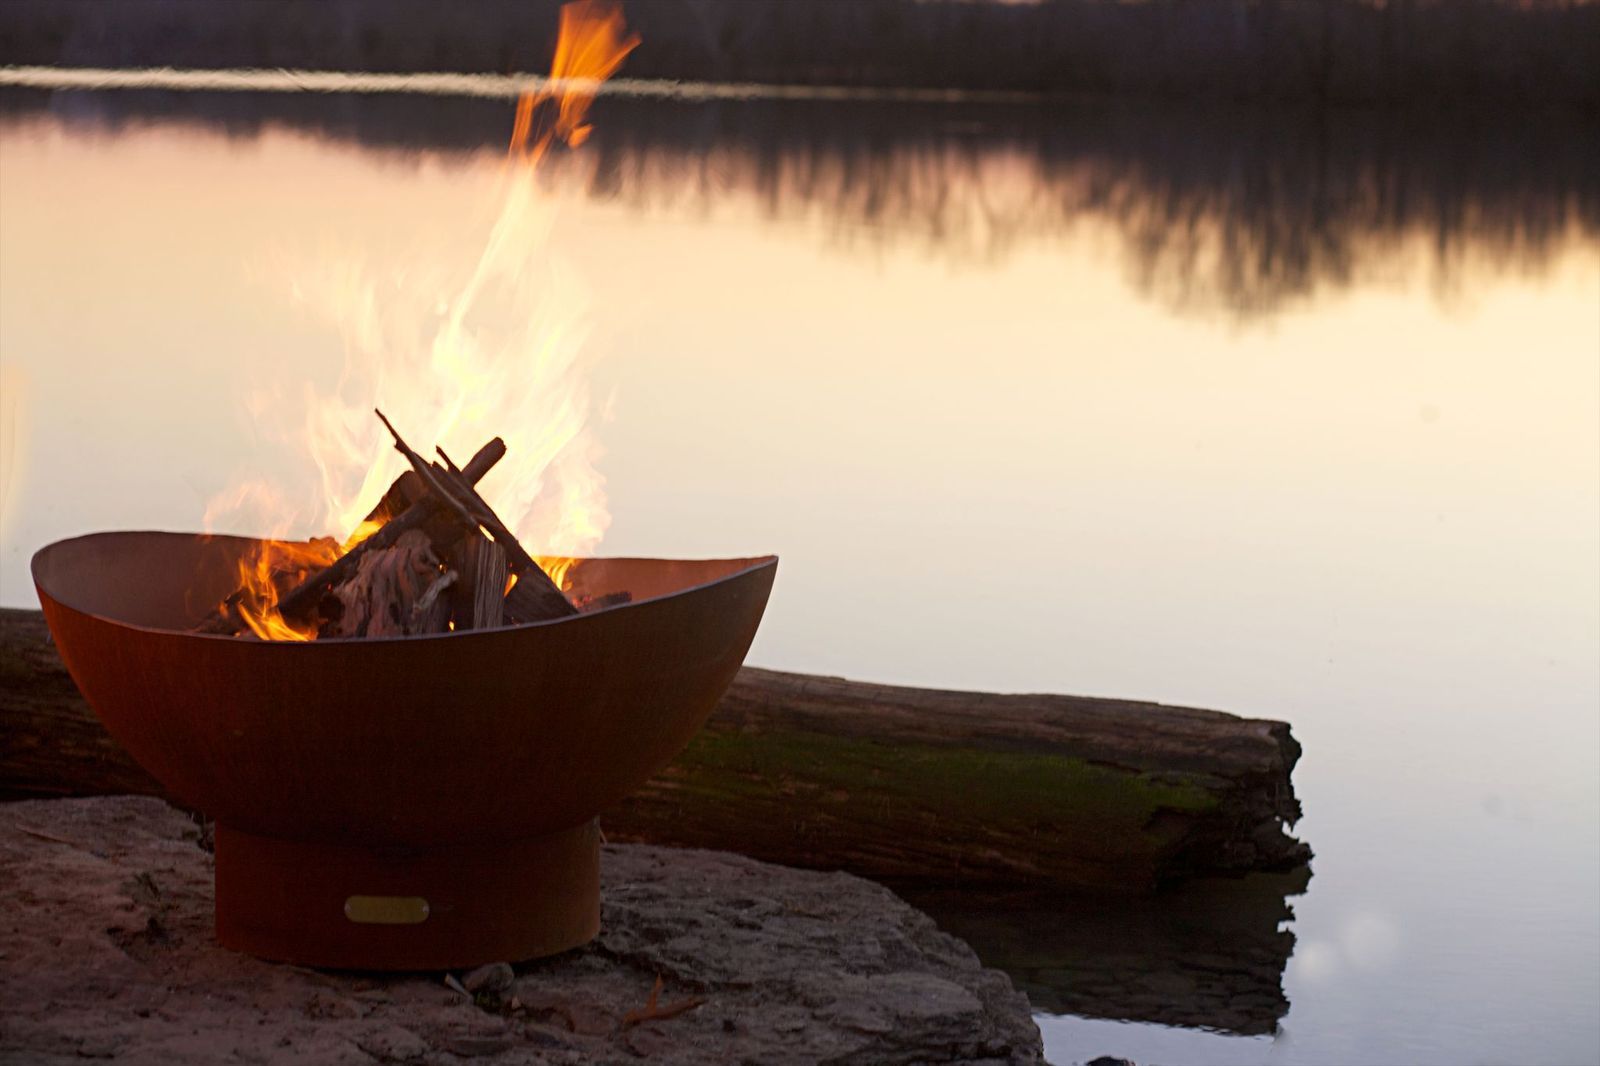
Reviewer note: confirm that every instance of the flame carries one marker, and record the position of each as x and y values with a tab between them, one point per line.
367	528
270	571
589	49
275	566
503	353
558	568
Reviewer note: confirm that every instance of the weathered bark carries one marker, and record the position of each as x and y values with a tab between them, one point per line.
923	786
899	784
480	601
393	592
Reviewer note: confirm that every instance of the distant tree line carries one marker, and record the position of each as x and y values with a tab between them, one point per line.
1437	52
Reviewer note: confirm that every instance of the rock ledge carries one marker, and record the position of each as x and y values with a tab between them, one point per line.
107	952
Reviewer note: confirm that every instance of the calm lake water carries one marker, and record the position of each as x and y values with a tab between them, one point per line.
1293	418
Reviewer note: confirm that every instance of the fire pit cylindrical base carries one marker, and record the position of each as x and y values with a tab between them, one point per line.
351	907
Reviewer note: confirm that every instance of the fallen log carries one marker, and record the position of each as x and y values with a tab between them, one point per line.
919	786
903	785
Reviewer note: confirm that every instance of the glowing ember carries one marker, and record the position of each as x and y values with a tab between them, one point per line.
505	354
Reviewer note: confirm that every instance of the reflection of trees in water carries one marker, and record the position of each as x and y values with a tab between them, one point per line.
1239	211
1242	212
1250	218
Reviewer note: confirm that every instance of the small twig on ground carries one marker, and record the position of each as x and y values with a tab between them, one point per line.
650	1012
49	836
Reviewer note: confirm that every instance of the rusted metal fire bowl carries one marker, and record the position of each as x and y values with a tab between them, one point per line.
401	803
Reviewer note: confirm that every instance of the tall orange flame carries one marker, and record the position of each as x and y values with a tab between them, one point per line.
525	383
590	48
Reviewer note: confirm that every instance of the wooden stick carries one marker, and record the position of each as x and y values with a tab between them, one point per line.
429	474
534	597
653	1010
40	834
304	597
484	515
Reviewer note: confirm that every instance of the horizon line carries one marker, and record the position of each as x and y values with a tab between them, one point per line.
482	86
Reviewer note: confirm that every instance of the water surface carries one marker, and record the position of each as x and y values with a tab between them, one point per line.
1297	418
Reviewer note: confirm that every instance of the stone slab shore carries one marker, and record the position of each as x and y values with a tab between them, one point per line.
106	952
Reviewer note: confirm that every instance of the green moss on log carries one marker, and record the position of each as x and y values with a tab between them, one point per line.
1027	787
917	810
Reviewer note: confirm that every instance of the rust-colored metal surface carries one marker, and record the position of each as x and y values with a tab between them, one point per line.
462	770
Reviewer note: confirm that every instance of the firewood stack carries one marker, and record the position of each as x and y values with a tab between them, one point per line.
439	559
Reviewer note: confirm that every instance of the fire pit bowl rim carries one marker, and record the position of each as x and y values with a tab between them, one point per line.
743	565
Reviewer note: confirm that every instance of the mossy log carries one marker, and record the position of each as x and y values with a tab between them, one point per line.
903	785
919	786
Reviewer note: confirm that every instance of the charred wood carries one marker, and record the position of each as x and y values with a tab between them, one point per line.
393	593
538	599
303	599
534	598
601	602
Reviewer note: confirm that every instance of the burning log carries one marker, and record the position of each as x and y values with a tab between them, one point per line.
905	785
539	598
406	490
226	619
480	594
301	601
427	531
394	593
527	601
430	476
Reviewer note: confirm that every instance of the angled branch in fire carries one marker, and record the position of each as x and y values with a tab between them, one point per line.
432	557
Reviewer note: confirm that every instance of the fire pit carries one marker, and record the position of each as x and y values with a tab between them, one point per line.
410	802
